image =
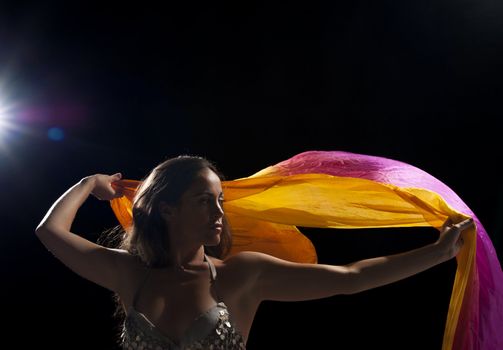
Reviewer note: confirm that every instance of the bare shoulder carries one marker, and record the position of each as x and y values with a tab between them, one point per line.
246	259
125	259
252	262
238	273
247	264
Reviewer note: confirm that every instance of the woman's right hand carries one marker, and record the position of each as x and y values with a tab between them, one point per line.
103	189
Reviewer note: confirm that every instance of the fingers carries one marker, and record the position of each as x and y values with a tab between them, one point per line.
446	224
118	190
463	225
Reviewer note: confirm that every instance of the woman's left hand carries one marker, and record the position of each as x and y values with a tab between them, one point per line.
451	236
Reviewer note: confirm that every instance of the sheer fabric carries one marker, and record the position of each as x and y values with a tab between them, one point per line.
346	190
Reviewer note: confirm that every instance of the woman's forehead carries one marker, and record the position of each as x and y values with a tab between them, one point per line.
206	180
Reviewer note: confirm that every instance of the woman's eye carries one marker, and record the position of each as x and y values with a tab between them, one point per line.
207	200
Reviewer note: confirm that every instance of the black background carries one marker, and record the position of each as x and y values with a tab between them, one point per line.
246	85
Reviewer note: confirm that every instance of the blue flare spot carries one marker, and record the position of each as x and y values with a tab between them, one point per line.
56	134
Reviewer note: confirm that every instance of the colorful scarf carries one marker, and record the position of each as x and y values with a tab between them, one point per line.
346	190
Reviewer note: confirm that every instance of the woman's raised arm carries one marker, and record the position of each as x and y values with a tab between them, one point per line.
89	260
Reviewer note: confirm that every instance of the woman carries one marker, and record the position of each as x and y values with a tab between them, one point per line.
174	282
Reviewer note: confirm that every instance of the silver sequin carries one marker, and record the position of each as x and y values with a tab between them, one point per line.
136	336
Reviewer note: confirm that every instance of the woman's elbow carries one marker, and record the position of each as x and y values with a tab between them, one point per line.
43	230
39	230
353	281
345	281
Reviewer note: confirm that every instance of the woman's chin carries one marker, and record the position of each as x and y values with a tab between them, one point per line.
213	241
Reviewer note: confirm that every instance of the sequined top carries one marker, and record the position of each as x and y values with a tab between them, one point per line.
213	330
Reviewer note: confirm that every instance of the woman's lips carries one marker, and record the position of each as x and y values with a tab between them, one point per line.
217	227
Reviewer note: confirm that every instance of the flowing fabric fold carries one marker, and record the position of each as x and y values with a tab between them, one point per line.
346	190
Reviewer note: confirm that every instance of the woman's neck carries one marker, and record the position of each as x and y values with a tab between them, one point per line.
182	259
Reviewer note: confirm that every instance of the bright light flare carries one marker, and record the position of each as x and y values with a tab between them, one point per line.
3	118
9	129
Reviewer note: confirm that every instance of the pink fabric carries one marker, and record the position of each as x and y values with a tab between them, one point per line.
480	323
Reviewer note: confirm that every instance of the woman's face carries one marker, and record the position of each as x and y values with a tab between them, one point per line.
199	216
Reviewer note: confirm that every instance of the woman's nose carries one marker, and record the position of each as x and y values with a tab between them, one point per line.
219	208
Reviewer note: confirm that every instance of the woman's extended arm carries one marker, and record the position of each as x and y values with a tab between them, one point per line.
91	261
278	279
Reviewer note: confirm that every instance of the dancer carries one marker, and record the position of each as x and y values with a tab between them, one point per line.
175	282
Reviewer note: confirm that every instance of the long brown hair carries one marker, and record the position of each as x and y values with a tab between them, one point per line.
149	236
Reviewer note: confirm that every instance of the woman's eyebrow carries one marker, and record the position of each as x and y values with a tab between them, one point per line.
208	193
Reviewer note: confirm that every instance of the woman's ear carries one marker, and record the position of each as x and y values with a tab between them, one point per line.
166	210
